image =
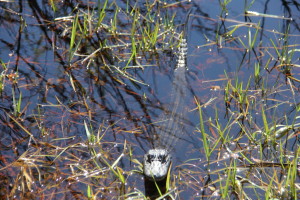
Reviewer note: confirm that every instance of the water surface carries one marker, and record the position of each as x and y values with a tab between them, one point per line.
44	142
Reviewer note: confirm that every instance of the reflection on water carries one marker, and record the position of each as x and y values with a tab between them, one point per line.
243	69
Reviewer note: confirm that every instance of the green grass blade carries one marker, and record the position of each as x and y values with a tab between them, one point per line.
202	130
265	122
73	33
102	13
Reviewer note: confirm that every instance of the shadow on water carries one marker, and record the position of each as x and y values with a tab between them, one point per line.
154	190
82	86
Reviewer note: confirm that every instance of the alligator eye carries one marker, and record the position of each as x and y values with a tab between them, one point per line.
150	158
159	158
162	158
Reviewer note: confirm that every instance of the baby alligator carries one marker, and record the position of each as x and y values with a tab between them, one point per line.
157	161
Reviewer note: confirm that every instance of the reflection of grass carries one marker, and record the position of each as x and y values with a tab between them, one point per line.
251	151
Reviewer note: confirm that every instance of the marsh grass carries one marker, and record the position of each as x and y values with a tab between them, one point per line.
2	76
248	147
268	135
264	155
149	32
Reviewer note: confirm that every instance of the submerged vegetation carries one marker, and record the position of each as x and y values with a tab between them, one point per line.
82	86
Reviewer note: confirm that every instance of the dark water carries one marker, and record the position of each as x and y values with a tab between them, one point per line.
58	93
